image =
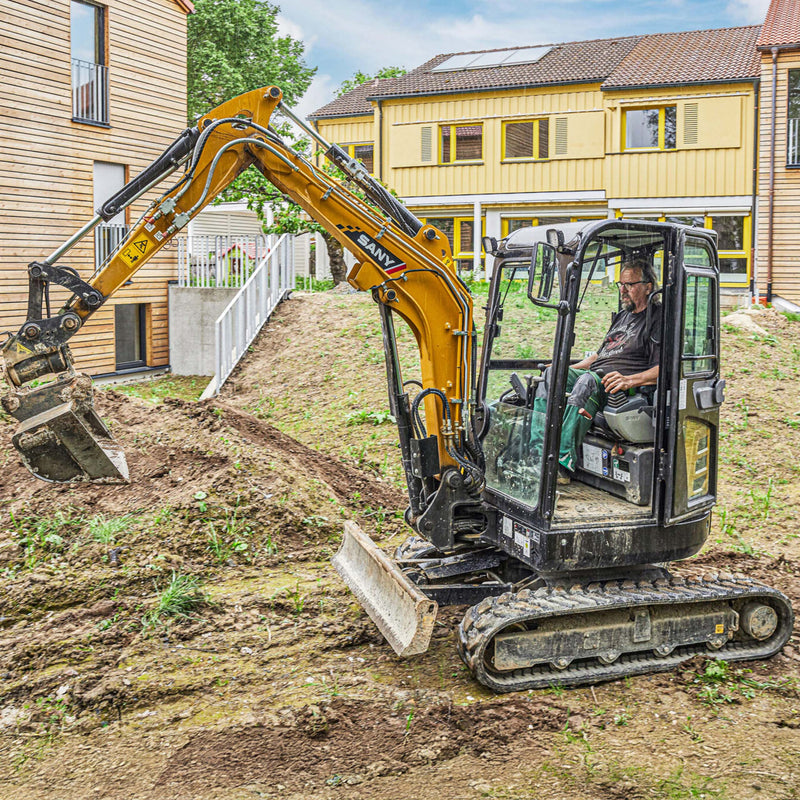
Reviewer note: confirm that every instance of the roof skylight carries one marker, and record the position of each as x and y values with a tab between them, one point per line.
496	58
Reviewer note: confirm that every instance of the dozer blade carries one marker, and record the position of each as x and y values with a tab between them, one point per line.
61	438
404	615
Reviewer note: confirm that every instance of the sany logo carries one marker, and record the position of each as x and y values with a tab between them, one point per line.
380	255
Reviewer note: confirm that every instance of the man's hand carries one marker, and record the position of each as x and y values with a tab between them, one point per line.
614	382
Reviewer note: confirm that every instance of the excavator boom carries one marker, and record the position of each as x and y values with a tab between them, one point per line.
407	266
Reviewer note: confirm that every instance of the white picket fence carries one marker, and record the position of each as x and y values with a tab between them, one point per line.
244	316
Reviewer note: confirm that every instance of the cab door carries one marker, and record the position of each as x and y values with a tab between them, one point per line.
695	390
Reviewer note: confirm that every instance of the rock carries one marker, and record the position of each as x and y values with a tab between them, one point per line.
744	321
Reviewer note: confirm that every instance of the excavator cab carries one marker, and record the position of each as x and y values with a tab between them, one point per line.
645	478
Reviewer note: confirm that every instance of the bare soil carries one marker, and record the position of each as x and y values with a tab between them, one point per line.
277	684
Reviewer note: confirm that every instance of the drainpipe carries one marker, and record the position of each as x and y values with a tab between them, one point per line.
753	205
771	211
477	238
380	141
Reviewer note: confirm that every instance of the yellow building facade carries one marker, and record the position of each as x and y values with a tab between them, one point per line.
649	135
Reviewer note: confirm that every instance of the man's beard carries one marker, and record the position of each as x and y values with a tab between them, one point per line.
628	304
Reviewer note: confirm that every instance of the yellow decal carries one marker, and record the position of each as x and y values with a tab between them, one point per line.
21	347
134	252
720	629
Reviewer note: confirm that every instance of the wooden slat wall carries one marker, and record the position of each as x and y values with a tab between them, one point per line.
47	161
786	235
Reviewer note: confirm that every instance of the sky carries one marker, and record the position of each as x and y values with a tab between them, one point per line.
345	36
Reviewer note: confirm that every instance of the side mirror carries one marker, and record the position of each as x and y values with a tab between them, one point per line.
489	245
543	269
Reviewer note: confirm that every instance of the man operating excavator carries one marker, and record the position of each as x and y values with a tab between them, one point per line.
626	359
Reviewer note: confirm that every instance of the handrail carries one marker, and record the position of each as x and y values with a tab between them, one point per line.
245	315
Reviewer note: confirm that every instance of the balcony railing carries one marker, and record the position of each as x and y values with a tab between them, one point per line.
220	261
107	238
89	92
793	143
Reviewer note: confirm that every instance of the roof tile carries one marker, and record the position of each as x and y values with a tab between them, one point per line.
724	54
782	26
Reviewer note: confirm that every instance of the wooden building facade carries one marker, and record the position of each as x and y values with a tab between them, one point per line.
88	97
779	158
659	126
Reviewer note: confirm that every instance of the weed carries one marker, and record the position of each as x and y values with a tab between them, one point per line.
182	595
298	600
202	506
762	502
368	417
42	536
692	731
104	529
622	718
719	684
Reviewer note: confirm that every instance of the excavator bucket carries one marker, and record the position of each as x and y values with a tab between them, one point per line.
61	438
404	615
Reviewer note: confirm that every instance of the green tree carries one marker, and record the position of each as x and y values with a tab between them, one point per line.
288	217
361	77
234	47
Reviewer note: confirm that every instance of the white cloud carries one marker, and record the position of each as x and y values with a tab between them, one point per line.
320	92
749	12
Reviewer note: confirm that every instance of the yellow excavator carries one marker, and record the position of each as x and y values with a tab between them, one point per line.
565	584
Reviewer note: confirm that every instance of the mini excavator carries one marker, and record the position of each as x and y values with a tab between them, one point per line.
564	584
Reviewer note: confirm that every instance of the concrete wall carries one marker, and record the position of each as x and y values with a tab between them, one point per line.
192	314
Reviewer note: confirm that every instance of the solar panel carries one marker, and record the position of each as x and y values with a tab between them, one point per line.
496	58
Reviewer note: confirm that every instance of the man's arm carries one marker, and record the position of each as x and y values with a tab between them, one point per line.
586	362
614	382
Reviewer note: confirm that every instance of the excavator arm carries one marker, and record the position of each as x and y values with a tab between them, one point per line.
406	265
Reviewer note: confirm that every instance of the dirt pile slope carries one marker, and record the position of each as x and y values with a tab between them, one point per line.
274	683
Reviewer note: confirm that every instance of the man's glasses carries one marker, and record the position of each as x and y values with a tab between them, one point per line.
628	284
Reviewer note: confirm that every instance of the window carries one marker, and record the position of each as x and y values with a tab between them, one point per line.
364	152
793	130
89	73
460	233
528	139
108	180
733	244
733	231
130	332
650	128
460	143
699	347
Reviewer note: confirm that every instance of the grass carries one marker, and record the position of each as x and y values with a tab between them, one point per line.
105	529
181	596
42	536
188	387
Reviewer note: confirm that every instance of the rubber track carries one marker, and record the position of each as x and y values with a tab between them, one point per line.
491	616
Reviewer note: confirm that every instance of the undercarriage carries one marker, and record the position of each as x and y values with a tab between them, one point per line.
539	631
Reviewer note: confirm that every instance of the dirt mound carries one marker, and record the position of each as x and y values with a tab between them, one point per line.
325	744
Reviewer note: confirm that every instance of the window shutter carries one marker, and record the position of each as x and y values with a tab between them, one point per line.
690	119
561	136
426	143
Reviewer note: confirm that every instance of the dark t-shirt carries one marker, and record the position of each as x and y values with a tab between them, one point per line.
628	348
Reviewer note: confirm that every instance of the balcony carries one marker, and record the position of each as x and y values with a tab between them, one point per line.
793	143
89	92
107	238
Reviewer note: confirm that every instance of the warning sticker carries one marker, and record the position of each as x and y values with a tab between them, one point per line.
135	251
593	459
